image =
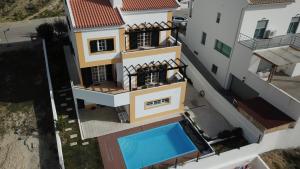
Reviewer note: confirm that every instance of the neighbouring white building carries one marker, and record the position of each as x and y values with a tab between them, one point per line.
252	49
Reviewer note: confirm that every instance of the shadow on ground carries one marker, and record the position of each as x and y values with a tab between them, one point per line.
23	79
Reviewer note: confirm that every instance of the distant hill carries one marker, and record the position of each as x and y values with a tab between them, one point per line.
17	10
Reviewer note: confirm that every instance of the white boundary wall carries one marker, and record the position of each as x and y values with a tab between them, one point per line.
280	139
54	112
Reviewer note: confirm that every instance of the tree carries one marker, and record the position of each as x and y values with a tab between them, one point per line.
45	31
60	27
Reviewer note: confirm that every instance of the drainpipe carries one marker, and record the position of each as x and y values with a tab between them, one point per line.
234	44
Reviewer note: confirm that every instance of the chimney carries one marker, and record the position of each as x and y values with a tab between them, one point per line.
116	3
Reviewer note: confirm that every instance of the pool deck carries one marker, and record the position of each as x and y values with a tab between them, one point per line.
111	153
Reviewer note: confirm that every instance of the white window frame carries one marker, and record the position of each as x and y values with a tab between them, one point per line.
98	74
158	102
152	78
144	39
101	45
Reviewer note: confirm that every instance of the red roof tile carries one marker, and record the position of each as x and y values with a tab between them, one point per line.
94	13
135	5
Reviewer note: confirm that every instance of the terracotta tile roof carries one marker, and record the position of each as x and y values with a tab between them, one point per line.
261	2
136	5
94	13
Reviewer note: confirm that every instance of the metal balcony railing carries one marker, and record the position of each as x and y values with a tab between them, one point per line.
277	41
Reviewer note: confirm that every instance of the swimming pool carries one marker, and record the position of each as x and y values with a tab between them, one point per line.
155	145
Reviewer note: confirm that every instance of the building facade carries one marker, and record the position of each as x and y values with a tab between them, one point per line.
125	58
252	49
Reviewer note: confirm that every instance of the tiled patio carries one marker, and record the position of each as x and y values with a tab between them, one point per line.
205	116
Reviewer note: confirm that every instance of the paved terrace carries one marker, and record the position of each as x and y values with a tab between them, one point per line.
290	85
111	153
264	115
104	120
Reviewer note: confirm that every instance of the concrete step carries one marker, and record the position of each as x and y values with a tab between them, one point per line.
73	136
73	144
68	129
71	121
64	105
85	143
62	94
69	98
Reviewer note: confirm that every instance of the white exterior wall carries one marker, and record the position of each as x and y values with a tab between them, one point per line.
132	18
173	94
105	99
98	35
279	17
276	140
149	17
204	20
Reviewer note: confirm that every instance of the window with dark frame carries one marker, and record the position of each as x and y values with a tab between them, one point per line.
144	39
214	69
203	39
223	48
294	25
261	29
102	45
148	77
218	17
158	102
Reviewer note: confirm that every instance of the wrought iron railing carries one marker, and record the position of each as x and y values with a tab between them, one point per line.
277	41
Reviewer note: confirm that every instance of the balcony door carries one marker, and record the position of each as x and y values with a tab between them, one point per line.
152	76
144	39
261	29
98	74
294	25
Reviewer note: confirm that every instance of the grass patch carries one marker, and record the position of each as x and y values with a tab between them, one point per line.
79	156
282	159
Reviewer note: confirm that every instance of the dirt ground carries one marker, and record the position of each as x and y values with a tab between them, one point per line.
27	139
17	10
283	159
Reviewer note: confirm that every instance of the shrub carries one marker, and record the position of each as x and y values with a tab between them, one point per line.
60	27
45	31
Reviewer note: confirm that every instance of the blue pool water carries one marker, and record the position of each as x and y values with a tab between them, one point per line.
155	145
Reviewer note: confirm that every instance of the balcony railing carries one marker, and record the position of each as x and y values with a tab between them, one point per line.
170	42
277	41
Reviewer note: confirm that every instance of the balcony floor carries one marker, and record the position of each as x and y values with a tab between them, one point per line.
264	115
290	85
107	87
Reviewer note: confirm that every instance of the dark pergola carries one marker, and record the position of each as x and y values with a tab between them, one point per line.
158	66
150	27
